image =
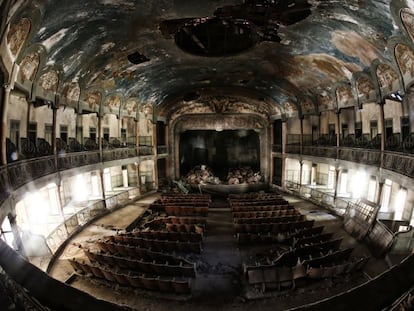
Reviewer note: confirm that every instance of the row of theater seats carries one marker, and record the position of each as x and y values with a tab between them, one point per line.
179	267
140	280
151	255
285	237
312	254
161	241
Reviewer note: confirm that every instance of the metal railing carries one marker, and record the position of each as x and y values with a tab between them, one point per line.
73	223
402	163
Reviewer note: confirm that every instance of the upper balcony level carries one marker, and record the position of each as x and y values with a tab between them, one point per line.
397	156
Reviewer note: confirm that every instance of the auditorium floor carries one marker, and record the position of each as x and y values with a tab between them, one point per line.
219	282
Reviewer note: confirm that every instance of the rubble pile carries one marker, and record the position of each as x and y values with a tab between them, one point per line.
202	174
243	175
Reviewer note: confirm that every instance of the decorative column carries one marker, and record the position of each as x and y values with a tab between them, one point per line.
284	136
300	173
336	184
136	137
271	168
100	137
338	132
54	126
379	192
138	178
4	112
301	135
382	119
155	157
101	177
167	159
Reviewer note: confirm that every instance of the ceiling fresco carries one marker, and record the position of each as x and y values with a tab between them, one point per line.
283	50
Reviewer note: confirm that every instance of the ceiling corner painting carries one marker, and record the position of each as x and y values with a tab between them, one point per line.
387	79
345	97
405	59
71	94
90	102
112	104
28	69
325	102
47	85
130	108
147	110
17	35
365	90
290	109
407	18
307	106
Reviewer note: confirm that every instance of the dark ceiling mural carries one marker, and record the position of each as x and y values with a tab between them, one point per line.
284	50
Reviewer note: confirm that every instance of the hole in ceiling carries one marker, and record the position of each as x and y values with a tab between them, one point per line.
215	37
137	58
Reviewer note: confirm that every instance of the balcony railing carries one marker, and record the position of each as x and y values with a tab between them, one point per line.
85	215
399	162
19	173
162	150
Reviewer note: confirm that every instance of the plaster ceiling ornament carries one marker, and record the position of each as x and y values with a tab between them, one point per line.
72	91
307	106
131	107
344	96
387	77
365	88
113	103
407	18
194	108
49	81
17	35
325	102
405	60
93	99
29	66
218	104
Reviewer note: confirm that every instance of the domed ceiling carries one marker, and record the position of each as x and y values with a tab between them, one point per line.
307	54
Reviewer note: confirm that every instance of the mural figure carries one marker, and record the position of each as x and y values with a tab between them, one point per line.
72	92
325	102
364	86
386	76
307	106
17	35
49	80
93	99
407	18
405	59
113	103
131	107
29	66
344	96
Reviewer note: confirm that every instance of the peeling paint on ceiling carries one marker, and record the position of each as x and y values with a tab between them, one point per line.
321	43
